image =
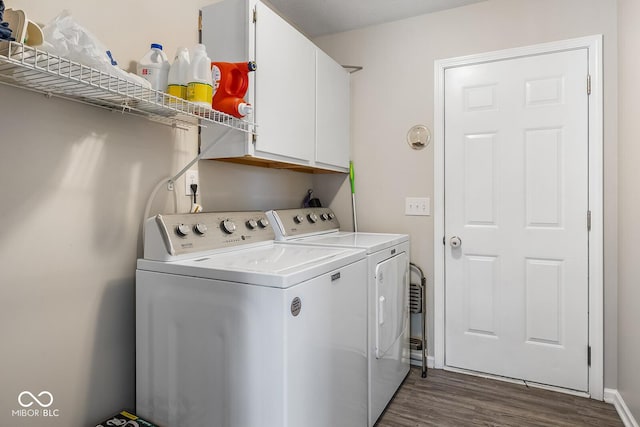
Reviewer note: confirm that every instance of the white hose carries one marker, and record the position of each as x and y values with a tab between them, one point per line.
147	207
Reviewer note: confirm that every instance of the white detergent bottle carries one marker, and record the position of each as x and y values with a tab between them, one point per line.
154	67
179	74
200	86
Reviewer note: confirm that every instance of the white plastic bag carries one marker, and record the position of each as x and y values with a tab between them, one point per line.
65	37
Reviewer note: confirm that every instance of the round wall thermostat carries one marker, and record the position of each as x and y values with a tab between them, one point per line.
418	137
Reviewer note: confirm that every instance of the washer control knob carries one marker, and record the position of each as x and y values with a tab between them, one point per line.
298	219
182	230
332	215
252	224
263	222
313	218
228	226
324	216
200	228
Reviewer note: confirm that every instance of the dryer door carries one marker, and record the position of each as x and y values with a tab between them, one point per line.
392	278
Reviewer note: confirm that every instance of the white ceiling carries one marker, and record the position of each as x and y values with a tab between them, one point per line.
320	17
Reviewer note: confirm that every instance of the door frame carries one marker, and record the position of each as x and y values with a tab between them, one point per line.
593	44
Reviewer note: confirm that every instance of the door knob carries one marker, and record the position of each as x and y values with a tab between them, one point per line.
455	242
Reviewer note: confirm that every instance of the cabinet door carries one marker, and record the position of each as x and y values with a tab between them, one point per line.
332	91
228	35
285	88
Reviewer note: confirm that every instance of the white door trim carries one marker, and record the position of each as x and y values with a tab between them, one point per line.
593	44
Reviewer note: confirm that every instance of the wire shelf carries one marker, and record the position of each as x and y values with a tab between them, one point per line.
37	70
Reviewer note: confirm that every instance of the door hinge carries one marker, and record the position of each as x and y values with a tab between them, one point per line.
588	355
255	15
588	84
254	138
588	220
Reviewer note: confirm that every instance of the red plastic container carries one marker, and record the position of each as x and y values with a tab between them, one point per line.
230	84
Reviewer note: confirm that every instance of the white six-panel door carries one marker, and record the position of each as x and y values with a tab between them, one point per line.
516	202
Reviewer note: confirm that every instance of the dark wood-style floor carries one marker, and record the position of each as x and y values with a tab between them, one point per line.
451	399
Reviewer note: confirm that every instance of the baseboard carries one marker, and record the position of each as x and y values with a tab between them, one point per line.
615	398
416	359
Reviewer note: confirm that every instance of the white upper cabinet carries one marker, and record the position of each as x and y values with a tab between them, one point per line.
332	113
300	95
285	88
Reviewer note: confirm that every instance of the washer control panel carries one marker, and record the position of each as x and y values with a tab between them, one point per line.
191	233
290	223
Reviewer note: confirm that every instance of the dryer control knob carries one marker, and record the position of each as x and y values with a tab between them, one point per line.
298	219
228	226
332	215
263	222
200	228
324	216
252	224
182	230
313	218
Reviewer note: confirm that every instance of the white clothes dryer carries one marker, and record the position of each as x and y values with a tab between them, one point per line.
387	278
233	330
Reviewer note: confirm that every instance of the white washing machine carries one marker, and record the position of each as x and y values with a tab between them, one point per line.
387	279
233	330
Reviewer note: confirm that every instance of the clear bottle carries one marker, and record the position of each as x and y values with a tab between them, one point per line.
179	74
200	86
154	67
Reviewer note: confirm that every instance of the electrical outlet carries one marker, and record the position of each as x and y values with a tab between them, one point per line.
417	206
191	177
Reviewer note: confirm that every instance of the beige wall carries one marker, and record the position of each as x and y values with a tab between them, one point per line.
75	180
394	91
629	208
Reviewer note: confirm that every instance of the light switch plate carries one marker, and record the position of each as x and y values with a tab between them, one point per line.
419	206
